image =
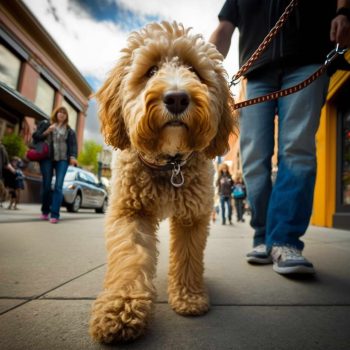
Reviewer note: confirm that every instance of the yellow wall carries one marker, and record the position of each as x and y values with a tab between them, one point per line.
324	198
326	138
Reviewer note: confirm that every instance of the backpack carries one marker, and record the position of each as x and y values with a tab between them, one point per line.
238	192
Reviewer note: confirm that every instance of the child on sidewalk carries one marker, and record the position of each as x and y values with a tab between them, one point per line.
15	183
239	194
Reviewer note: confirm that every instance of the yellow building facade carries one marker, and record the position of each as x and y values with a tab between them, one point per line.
332	191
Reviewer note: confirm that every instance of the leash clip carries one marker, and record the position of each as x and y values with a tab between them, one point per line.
334	54
235	81
177	175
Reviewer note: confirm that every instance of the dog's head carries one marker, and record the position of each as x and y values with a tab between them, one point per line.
167	95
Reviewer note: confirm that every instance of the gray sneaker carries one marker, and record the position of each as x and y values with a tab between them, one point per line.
288	260
259	255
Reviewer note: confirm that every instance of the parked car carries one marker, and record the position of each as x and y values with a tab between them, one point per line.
81	189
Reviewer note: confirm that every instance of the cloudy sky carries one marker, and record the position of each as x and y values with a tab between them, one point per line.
92	32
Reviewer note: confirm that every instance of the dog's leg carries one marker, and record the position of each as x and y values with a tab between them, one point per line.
121	312
187	294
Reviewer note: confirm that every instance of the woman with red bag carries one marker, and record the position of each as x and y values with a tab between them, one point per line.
62	143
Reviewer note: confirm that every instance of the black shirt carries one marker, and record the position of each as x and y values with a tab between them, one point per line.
225	184
304	38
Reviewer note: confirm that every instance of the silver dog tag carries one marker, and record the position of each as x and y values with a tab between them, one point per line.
177	178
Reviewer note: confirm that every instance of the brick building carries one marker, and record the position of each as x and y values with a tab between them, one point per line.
35	77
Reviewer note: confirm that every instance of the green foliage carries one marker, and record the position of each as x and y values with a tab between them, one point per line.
89	156
14	145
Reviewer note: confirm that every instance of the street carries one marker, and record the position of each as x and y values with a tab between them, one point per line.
50	275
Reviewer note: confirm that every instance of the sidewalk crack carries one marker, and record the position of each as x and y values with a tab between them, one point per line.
50	290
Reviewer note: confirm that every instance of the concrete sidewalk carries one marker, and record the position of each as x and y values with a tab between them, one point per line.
50	274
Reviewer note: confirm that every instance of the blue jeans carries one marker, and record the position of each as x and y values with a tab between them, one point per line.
227	200
51	202
281	214
239	204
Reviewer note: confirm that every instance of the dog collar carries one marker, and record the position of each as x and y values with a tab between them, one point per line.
174	164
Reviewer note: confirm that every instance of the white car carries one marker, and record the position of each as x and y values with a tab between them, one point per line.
81	189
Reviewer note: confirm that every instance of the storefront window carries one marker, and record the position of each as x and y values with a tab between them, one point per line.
345	186
10	66
45	95
72	114
5	127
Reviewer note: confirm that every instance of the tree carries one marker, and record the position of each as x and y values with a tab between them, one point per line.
89	156
14	145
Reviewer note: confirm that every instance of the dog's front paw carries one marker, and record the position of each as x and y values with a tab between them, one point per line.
117	318
188	303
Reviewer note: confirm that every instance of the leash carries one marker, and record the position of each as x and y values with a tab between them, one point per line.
262	47
291	90
267	40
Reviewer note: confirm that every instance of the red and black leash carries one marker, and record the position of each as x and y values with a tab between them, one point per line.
262	47
267	40
291	90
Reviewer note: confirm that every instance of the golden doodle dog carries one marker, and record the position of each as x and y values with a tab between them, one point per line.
167	107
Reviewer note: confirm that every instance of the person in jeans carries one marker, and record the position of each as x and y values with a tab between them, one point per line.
63	152
281	213
225	183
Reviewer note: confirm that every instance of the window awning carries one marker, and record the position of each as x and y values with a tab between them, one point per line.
17	102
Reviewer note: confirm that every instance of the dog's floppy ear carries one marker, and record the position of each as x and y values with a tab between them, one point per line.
110	109
227	123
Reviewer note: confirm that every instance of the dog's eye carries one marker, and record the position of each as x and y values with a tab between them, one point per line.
152	71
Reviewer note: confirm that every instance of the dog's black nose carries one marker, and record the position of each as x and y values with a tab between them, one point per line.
176	101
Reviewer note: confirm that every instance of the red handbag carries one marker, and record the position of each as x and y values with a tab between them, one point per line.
38	151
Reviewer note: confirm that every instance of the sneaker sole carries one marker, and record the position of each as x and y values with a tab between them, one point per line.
259	261
293	270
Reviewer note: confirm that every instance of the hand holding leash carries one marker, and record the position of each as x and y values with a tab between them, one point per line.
340	28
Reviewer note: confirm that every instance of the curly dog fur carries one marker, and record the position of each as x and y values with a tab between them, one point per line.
167	98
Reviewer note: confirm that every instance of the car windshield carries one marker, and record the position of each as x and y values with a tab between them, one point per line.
70	175
92	178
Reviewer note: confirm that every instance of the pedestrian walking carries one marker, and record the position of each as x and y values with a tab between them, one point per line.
15	183
281	213
224	184
63	152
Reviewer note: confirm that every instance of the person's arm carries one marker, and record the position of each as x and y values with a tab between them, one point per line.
44	128
221	37
73	148
49	130
340	26
5	160
10	168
